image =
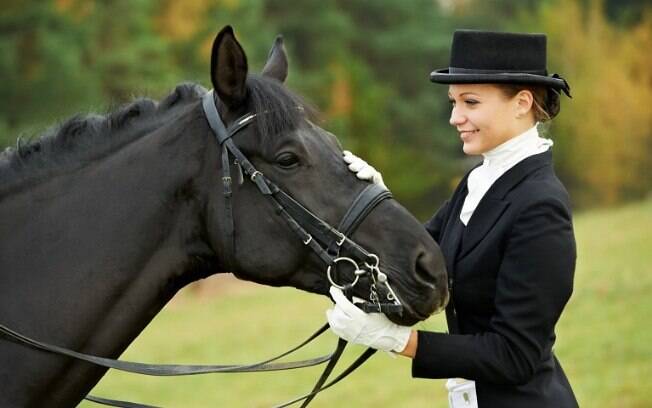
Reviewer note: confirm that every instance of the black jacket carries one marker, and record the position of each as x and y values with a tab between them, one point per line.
511	270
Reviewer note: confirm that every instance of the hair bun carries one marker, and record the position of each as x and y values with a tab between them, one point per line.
552	102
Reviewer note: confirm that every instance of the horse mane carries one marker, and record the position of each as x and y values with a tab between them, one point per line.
82	139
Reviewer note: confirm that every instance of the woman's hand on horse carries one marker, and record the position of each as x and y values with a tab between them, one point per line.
373	330
363	170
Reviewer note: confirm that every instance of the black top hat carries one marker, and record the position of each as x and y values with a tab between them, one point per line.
492	57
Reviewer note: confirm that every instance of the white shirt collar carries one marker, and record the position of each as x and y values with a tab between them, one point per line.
496	162
506	155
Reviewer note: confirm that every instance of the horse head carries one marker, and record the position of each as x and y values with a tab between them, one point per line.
305	161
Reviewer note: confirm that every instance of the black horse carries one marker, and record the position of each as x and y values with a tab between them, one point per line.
104	219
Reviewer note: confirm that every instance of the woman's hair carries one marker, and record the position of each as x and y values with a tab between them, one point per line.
546	100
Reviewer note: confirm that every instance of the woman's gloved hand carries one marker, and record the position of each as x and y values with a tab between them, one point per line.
363	170
374	330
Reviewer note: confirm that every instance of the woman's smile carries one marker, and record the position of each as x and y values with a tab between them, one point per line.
465	135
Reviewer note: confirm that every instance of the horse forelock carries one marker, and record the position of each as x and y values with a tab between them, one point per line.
81	138
278	109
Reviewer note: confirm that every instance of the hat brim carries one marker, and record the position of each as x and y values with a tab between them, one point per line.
442	76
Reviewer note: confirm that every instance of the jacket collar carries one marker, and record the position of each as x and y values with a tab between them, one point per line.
516	174
490	208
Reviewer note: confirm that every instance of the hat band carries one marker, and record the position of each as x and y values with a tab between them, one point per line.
455	70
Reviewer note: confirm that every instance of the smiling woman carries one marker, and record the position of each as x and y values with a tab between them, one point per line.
485	117
506	234
488	115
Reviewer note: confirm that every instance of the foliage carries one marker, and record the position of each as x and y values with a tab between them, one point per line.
603	135
365	64
41	62
60	57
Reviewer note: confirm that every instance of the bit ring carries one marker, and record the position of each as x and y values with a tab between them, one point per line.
346	259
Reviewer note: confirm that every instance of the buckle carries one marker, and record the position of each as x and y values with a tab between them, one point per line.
341	236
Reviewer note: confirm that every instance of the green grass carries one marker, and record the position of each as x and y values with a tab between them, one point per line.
604	337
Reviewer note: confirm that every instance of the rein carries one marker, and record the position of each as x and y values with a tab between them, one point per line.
328	243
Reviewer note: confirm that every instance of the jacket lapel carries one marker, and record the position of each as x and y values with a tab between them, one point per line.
452	234
493	204
454	229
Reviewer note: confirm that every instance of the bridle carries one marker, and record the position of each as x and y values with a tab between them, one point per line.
331	245
327	242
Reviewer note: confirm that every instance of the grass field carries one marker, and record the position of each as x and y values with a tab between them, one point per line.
604	337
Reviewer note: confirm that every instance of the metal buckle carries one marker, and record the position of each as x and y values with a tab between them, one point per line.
341	236
254	174
307	241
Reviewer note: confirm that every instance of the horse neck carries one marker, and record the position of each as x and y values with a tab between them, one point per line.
89	258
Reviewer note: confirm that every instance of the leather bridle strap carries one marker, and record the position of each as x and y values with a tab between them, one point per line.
304	223
357	363
170	369
339	350
117	403
364	203
164	370
328	236
323	239
224	139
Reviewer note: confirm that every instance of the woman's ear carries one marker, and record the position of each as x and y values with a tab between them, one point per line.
524	101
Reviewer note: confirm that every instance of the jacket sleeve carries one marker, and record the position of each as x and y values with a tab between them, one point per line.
534	282
435	224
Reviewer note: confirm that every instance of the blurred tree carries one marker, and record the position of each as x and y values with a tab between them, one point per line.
364	63
60	57
126	51
190	28
603	141
627	12
401	57
41	64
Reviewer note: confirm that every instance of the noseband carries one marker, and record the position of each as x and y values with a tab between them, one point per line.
327	242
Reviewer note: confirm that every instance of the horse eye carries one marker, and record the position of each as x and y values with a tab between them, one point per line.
287	160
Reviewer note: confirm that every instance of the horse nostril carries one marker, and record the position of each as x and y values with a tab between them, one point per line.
425	271
430	273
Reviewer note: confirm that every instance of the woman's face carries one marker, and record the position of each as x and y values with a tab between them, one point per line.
485	117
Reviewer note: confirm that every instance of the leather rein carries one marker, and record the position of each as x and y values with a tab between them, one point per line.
327	242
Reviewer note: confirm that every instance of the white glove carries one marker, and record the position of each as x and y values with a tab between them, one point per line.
363	170
373	330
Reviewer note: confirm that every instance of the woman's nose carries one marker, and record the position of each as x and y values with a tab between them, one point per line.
456	117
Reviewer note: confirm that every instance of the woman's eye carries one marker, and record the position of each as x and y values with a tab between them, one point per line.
287	160
471	102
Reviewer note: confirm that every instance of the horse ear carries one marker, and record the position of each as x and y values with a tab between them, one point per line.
277	62
229	68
